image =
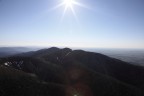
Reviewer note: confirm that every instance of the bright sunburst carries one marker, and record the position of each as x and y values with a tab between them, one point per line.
69	4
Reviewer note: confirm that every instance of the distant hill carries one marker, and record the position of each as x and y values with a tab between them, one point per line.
39	53
66	72
133	56
9	51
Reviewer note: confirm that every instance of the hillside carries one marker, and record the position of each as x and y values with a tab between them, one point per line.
54	71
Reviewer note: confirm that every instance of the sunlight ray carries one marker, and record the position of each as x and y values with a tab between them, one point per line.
74	13
63	13
57	6
69	4
81	5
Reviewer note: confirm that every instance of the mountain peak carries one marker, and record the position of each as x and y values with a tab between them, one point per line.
67	49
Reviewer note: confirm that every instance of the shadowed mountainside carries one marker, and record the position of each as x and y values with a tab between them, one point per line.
70	73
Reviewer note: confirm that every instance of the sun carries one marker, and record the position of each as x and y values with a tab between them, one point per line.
69	3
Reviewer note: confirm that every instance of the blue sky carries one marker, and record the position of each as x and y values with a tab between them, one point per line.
103	24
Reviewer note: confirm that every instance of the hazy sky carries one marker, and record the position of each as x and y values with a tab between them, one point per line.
103	23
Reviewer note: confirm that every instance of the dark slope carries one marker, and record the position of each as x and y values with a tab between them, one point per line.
120	70
17	83
44	70
81	73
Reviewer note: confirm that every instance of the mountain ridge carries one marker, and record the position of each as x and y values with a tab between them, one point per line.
81	70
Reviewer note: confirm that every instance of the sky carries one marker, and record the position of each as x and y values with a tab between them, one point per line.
95	24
